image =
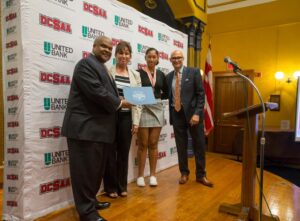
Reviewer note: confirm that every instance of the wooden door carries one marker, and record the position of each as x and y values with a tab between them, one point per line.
231	92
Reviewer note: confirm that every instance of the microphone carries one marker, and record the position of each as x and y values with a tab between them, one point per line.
234	65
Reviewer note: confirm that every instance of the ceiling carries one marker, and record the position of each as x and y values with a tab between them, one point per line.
214	6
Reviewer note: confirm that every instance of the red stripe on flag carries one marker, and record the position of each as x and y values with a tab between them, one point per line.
209	106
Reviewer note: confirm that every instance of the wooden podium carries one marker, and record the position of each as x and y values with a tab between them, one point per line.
246	209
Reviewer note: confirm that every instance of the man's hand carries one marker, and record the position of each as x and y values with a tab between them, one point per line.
194	120
126	104
134	129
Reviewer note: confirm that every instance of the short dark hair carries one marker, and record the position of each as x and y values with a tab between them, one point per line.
152	49
122	45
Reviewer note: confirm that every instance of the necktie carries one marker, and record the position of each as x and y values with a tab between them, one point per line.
177	93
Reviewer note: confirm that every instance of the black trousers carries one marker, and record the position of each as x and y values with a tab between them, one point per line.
180	126
87	165
116	173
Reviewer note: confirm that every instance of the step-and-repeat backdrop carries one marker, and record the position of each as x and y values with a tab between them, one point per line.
42	42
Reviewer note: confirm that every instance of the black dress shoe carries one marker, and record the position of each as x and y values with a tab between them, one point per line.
100	219
102	205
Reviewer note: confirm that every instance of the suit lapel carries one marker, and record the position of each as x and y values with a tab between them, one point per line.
170	81
111	79
184	76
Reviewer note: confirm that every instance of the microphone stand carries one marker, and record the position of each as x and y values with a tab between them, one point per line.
262	139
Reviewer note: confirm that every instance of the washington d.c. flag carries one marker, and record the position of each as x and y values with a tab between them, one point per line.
208	88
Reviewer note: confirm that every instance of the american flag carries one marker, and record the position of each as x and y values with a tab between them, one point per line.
209	105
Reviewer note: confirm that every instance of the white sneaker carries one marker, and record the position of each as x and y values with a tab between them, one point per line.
153	181
140	181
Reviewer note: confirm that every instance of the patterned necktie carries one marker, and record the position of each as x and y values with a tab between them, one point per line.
177	93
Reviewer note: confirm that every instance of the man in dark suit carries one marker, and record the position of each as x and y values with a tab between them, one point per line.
90	127
186	102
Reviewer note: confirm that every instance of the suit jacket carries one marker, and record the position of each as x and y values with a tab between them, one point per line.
191	94
135	81
91	113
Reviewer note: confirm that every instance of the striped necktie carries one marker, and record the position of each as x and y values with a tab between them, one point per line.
177	93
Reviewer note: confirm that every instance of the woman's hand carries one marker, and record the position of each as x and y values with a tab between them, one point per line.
134	129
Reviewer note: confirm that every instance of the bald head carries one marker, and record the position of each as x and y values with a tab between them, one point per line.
100	39
177	59
102	48
176	53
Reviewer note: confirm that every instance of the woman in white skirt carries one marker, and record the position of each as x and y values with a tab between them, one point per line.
152	117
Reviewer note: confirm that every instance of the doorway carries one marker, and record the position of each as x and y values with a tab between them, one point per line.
231	92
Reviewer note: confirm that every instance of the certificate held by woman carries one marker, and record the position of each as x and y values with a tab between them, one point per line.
139	95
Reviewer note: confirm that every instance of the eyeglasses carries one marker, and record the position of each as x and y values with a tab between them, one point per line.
176	58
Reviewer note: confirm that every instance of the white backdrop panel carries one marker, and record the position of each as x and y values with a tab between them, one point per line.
42	42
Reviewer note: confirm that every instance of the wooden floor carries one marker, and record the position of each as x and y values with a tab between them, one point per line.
192	201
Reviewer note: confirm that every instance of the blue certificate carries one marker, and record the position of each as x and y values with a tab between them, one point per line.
139	95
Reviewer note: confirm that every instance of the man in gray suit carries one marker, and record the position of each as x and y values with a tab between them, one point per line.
186	102
90	127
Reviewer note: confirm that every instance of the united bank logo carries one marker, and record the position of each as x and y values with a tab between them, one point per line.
162	137
10	3
12	189
12	57
56	50
56	158
142	48
12	84
54	78
12	110
64	3
145	31
55	104
91	33
173	150
12	163
11	30
13	137
163	38
94	10
55	23
178	44
123	22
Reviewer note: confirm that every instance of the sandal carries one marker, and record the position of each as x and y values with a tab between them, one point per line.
112	195
123	194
